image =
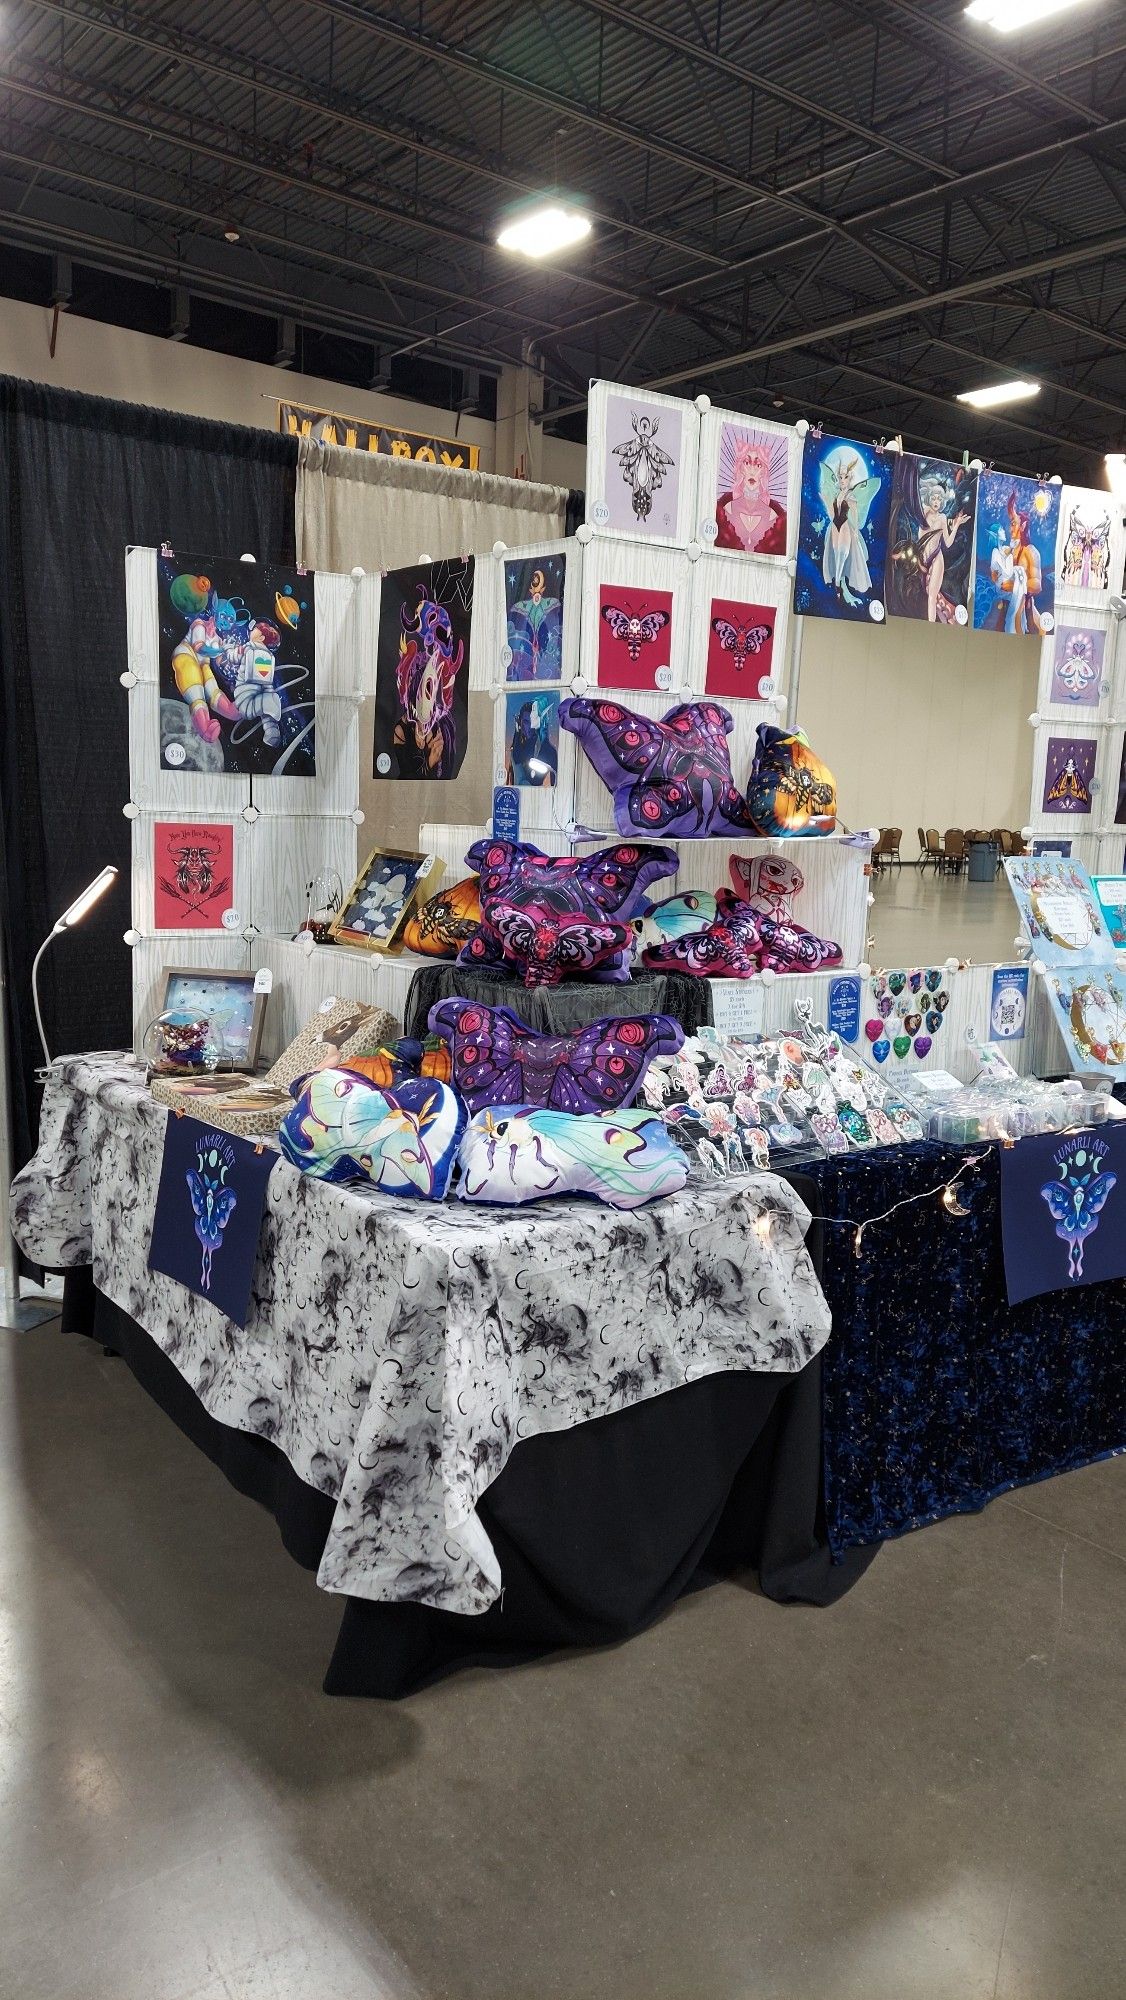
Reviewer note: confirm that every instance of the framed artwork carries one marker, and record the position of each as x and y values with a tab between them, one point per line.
382	897
1015	559
422	670
533	604
641	463
930	540
1069	774
1078	653
751	494
193	873
237	667
740	657
634	636
1086	529
221	996
531	739
842	529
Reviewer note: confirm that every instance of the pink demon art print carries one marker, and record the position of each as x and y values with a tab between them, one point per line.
752	488
422	670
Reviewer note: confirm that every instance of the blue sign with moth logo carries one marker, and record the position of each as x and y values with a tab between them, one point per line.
506	813
209	1207
844	1008
1063	1200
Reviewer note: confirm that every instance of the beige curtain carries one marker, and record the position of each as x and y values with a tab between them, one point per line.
383	512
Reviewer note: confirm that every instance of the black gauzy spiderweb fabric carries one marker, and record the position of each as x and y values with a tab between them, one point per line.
80	479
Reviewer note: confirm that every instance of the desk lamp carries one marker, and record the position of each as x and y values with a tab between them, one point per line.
74	915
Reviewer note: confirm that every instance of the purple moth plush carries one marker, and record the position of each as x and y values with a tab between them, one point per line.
497	1059
553	915
672	776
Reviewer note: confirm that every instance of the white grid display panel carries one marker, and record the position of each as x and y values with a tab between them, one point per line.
711	484
240	896
287	855
489	653
153	956
335	789
745	580
611	407
593	807
630	570
307	975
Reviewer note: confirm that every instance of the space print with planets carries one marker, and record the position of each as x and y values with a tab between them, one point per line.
237	667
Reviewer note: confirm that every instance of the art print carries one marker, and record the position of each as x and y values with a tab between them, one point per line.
422	670
382	896
208	1217
1069	774
842	529
1063	1212
752	489
531	739
740	648
225	999
1015	562
237	645
1090	1004
533	603
643	456
634	636
193	868
930	540
1085	529
1059	909
1077	665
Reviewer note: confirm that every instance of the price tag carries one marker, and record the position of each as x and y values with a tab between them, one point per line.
232	920
738	1006
506	813
263	980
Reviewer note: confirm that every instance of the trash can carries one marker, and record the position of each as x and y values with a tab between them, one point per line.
983	860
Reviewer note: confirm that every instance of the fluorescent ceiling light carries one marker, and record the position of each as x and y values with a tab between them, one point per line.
1008	15
540	232
996	393
1116	473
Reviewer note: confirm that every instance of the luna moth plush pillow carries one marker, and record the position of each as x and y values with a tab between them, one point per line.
554	915
790	791
446	922
742	940
405	1140
672	776
497	1059
625	1158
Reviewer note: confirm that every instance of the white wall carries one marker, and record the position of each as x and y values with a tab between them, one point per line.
173	375
922	725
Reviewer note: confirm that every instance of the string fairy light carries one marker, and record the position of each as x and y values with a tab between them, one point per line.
947	1192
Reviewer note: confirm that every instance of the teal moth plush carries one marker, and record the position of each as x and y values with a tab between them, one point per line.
624	1158
404	1140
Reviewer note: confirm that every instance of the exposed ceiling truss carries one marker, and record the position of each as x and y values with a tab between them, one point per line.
847	208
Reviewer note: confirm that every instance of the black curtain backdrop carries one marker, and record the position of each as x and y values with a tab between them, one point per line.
80	479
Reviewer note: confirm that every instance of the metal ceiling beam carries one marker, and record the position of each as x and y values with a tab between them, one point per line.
234	67
422	44
735	71
985	54
1056	260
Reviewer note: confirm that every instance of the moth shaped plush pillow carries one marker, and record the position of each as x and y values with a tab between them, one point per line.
741	940
624	1159
446	922
672	776
552	916
404	1140
498	1059
790	791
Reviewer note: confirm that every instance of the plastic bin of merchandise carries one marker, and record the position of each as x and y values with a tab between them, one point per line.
983	860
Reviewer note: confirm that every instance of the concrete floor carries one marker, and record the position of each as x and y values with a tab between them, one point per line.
919	1795
920	918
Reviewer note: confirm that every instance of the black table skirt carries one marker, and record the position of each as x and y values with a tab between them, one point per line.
598	1530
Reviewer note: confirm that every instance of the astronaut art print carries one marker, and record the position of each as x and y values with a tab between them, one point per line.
237	667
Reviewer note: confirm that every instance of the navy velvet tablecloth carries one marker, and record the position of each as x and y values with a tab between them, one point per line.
937	1394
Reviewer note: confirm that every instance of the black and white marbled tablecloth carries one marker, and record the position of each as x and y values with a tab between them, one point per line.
396	1351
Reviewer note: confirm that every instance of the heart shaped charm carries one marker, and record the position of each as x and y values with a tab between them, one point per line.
879	984
881	1049
884	1005
922	1046
912	1023
914	981
901	1045
897	981
942	1001
934	1021
933	980
873	1030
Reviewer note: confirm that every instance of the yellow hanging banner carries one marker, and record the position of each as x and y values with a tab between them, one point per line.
362	434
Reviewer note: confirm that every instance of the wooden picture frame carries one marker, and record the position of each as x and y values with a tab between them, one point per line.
244	1034
386	890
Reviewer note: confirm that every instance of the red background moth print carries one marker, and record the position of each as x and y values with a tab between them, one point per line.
742	626
193	863
634	635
